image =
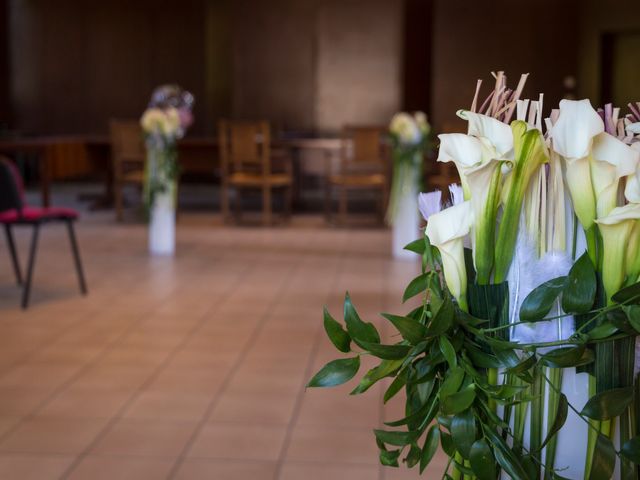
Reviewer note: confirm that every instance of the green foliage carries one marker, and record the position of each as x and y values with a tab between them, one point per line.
445	361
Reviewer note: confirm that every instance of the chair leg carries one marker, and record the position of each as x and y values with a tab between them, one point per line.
76	257
14	254
266	205
26	291
117	200
224	203
327	202
288	201
343	206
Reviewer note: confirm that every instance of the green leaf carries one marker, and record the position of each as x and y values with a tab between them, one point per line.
464	432
335	373
452	382
426	413
561	417
443	318
505	456
603	330
448	351
396	385
482	461
399	439
629	294
457	402
481	359
609	404
387	352
538	303
386	368
411	330
604	459
633	315
580	291
631	450
389	458
447	444
566	357
416	286
358	330
338	336
417	246
430	447
413	457
503	392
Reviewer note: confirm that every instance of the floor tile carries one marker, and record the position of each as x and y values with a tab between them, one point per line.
121	468
312	471
51	435
148	437
32	467
205	469
239	441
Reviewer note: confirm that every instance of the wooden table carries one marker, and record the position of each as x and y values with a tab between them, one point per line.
204	150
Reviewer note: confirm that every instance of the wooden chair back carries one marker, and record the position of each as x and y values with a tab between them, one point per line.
244	146
127	145
363	147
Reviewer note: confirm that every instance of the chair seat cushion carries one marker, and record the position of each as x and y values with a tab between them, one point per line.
256	179
358	180
36	214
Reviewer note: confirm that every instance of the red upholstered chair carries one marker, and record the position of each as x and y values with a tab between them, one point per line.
13	211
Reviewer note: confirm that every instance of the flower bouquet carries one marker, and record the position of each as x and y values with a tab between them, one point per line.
409	140
519	359
163	123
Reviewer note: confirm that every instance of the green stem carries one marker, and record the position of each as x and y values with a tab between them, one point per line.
492	379
455	473
594	430
537	410
591	235
555	376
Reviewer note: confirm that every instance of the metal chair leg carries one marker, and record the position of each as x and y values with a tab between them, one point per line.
32	259
76	257
14	254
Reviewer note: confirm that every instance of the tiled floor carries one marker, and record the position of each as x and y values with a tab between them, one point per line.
193	367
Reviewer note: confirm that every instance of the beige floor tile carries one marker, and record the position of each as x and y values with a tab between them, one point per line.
334	406
238	441
205	469
32	467
121	468
145	437
257	408
329	445
327	471
20	400
85	403
52	435
168	405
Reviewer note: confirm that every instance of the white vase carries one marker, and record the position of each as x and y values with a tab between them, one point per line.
406	223
162	225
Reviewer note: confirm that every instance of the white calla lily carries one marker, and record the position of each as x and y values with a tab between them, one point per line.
572	134
484	186
498	133
616	229
466	152
446	231
633	128
632	190
612	159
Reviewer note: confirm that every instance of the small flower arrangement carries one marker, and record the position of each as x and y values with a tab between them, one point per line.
409	140
546	302
163	123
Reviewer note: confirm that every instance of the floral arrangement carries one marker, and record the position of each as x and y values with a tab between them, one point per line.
164	122
544	305
409	140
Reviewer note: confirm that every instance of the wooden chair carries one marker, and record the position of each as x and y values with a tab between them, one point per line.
363	166
128	154
246	161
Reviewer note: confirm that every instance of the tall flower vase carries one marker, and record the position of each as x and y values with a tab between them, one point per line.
162	224
403	214
405	224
